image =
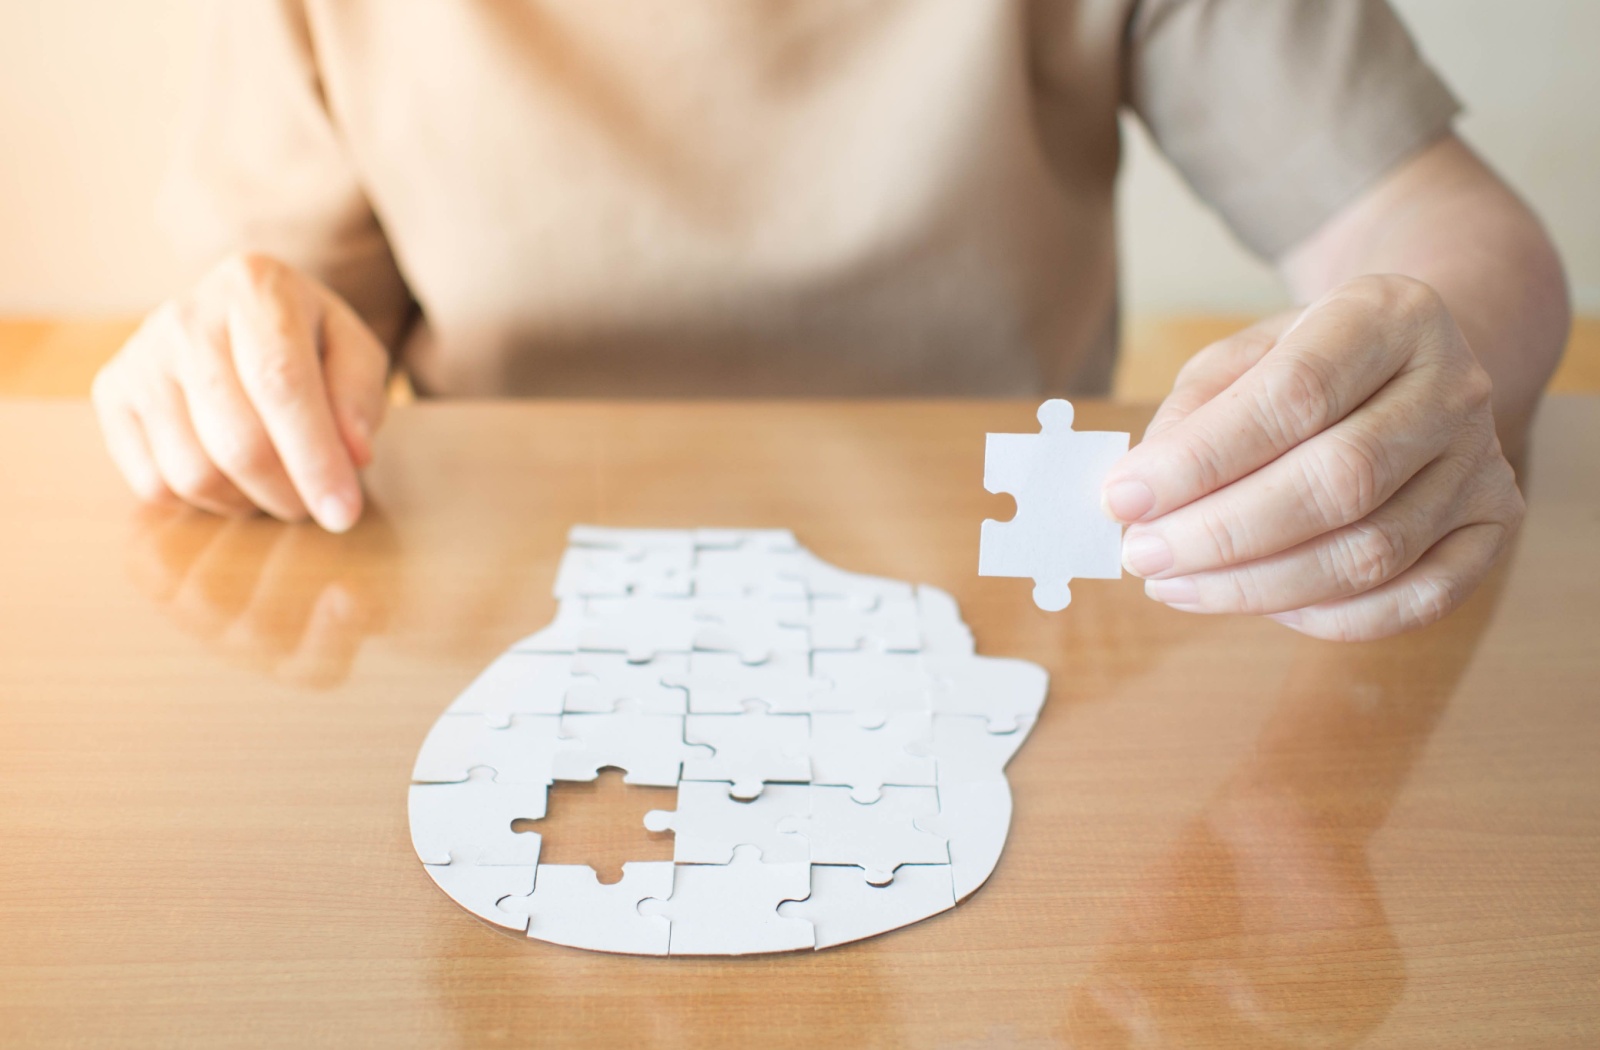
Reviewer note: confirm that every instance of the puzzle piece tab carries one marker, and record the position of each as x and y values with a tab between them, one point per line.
732	909
1059	533
570	905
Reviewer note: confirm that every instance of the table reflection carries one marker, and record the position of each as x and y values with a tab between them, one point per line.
290	601
1264	925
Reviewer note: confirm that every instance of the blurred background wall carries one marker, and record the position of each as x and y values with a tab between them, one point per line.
89	90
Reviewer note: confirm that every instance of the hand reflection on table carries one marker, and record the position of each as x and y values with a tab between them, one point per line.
290	601
1264	925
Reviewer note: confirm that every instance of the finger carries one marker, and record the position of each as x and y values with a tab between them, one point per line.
1336	478
226	423
1428	591
1212	370
355	367
1349	561
272	333
332	637
1335	357
125	440
184	467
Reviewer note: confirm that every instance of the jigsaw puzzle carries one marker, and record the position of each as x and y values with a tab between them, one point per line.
1059	533
837	746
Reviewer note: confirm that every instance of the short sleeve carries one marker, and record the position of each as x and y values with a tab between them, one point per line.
260	165
1278	112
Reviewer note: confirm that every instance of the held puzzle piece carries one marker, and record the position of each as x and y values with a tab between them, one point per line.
837	746
1059	533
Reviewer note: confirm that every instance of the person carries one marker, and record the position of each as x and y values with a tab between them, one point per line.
861	197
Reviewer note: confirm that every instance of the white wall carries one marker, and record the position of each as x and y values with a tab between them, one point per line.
89	90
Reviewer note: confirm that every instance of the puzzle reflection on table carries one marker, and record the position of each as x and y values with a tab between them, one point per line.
837	746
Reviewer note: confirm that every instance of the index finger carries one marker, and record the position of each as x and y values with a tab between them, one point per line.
1330	361
272	329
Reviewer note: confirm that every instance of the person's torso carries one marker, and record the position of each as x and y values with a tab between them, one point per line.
804	197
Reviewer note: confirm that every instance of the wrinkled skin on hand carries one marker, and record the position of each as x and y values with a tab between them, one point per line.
258	390
1337	470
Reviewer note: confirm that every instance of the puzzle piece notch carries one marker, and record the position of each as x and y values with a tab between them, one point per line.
650	748
709	824
480	887
750	750
1000	689
615	572
844	907
1059	532
877	837
872	684
864	759
473	818
518	683
722	683
882	623
732	909
606	680
521	752
568	904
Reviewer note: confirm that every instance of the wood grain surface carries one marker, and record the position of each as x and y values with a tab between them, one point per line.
1225	835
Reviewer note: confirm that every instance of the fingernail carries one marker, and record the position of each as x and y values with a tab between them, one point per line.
1128	501
1146	555
1178	591
1288	619
336	513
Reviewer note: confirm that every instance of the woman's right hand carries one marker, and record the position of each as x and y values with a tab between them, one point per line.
260	389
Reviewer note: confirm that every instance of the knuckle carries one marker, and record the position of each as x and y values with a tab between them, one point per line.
1205	459
280	378
1477	387
1395	294
1300	399
1427	600
1369	553
1226	535
1345	478
195	480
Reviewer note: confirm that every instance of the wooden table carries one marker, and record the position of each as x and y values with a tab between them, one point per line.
1225	835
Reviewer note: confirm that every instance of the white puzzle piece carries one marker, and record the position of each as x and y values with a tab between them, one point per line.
877	837
732	909
473	819
650	749
749	750
974	816
604	680
845	753
518	684
569	905
852	708
609	573
522	752
480	887
885	623
939	622
844	907
872	685
1059	533
722	683
709	824
999	689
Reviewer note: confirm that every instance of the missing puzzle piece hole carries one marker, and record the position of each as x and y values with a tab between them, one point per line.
601	823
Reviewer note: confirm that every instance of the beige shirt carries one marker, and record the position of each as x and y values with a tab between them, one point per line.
644	197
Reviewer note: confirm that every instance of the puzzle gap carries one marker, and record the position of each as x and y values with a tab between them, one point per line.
601	823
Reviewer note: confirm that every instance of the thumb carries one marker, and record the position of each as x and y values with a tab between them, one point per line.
355	367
